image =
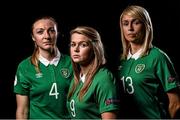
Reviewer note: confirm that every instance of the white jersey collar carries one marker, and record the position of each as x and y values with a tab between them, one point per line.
54	61
135	56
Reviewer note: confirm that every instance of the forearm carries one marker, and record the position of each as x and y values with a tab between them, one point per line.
22	107
173	108
174	103
21	114
108	115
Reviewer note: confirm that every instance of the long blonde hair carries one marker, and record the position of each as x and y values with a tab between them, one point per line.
141	14
97	61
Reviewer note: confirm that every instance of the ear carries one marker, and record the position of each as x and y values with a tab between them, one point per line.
33	38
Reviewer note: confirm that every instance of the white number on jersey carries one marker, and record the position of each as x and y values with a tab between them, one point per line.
129	83
72	107
53	90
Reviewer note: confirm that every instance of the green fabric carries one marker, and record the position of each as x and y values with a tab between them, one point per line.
100	97
145	81
47	91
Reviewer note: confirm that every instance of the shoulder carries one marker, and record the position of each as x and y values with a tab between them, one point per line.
158	53
104	74
65	57
65	60
104	70
25	62
104	79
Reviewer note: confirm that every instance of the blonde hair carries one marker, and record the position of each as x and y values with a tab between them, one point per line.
141	14
97	61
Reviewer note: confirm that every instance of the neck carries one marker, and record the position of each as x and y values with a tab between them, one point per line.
85	69
134	48
49	55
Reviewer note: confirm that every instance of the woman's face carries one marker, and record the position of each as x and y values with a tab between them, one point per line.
44	33
81	49
133	29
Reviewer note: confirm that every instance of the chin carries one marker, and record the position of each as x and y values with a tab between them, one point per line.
76	61
48	47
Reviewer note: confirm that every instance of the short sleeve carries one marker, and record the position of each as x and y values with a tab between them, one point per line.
166	73
107	93
21	83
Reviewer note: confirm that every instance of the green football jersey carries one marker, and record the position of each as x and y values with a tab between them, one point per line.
145	82
47	91
100	97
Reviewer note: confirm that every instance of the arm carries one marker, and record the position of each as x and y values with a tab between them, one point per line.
22	107
108	115
174	103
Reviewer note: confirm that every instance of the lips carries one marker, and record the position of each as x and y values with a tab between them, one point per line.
76	56
47	43
131	34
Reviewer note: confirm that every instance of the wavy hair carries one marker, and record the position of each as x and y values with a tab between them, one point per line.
96	62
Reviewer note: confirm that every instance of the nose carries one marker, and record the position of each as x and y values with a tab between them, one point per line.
130	27
76	48
46	35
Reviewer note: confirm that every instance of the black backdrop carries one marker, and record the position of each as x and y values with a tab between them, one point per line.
16	43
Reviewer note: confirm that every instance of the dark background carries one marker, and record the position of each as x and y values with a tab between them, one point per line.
17	17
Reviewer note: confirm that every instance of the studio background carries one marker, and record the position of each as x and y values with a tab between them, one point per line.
17	18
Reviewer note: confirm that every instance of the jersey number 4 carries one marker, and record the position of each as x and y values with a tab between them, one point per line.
54	91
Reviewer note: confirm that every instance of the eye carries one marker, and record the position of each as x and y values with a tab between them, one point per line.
136	22
83	44
52	30
72	45
125	23
40	32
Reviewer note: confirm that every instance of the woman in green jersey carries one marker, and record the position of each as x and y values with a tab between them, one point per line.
42	80
150	83
92	94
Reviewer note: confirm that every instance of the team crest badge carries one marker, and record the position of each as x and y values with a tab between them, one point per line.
65	72
139	68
